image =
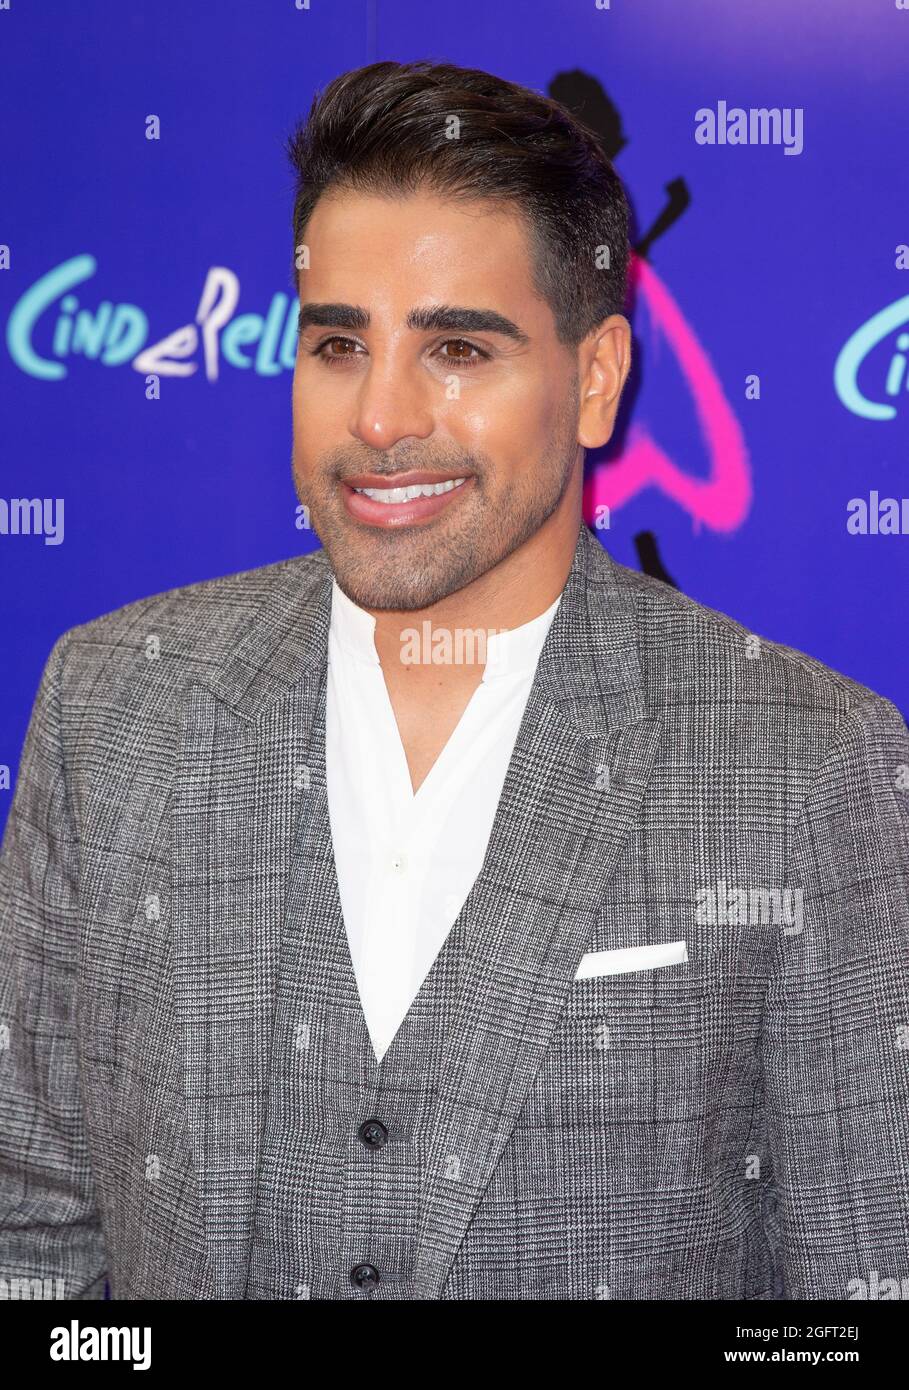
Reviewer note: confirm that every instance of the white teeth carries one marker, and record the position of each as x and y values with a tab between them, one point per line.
407	494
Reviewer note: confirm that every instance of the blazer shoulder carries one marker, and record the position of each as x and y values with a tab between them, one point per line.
689	648
195	627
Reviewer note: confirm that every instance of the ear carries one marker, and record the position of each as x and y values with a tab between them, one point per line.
604	361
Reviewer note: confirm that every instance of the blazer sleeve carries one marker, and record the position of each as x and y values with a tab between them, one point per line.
836	1033
49	1223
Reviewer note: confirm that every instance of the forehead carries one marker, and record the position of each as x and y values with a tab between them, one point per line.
365	247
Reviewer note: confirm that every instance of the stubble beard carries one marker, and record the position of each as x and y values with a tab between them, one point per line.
418	566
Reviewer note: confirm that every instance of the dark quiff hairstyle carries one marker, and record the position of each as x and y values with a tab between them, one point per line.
386	129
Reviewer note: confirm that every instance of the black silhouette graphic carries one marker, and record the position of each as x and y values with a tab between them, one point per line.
584	97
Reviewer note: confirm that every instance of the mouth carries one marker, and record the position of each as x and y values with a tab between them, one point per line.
402	499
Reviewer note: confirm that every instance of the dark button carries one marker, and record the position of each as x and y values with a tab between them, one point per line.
373	1134
364	1276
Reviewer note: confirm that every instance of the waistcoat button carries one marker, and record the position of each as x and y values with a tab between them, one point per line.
372	1133
364	1276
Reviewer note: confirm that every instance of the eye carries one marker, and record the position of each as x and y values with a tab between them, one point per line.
459	361
330	358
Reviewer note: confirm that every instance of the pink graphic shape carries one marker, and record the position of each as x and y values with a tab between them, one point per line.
722	499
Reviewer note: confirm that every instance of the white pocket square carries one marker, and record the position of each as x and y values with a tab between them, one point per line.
629	958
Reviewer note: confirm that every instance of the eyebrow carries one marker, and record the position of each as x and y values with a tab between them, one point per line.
449	318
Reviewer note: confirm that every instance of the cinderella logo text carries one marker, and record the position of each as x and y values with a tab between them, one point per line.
861	348
114	334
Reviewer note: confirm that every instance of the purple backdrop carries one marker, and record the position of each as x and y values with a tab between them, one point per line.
766	423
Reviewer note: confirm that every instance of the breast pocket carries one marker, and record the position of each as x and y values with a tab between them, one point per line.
629	1048
597	991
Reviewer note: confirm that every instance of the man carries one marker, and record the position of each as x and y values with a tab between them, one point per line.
453	913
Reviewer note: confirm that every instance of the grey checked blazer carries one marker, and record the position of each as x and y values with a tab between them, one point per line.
183	1061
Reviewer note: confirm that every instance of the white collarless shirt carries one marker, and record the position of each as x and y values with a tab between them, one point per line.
406	862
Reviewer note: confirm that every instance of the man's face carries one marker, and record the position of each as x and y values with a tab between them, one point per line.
482	397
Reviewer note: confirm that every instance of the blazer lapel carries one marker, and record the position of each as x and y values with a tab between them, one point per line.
239	786
581	764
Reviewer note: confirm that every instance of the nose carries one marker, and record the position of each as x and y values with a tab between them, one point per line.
392	403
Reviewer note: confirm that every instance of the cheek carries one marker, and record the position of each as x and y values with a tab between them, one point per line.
317	416
512	424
